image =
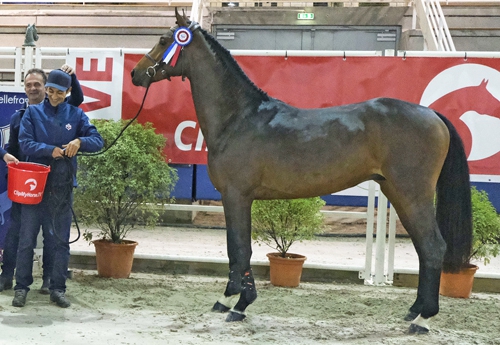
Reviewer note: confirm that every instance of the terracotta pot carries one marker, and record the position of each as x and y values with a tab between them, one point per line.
285	271
114	260
458	285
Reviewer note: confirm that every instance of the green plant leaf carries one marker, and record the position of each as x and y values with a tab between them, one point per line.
486	227
280	223
123	186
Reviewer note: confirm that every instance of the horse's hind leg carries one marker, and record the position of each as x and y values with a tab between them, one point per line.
417	214
237	211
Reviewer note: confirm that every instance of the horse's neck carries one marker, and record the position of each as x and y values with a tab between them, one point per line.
219	93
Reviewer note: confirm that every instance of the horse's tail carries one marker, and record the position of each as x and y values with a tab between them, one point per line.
453	203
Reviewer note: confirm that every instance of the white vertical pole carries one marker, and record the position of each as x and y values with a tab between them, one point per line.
28	59
414	17
197	12
391	243
370	219
18	67
38	58
194	10
380	240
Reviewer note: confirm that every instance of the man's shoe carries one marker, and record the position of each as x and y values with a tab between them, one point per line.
5	283
59	298
44	290
19	298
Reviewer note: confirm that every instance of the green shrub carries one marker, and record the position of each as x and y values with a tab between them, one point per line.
280	223
486	227
123	186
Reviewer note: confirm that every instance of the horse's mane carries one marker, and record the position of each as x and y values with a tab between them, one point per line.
227	60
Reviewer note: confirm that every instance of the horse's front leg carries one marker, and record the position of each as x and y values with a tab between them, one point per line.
237	211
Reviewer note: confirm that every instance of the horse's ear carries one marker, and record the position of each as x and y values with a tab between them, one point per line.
181	20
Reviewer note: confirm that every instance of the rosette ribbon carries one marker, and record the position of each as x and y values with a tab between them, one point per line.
182	37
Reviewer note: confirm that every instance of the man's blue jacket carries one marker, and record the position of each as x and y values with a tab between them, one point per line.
43	127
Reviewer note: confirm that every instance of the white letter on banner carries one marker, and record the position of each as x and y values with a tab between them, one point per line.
199	141
100	74
178	133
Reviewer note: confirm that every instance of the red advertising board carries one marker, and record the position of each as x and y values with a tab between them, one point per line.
467	91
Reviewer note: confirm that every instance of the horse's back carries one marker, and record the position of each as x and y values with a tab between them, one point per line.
347	129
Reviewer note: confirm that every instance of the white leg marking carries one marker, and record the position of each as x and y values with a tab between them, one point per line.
422	322
227	301
238	312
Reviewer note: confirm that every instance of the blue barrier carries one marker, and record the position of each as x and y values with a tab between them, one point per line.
204	189
184	187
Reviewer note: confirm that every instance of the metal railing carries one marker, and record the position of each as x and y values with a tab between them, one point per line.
10	64
433	25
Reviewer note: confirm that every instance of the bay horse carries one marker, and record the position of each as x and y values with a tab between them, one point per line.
262	148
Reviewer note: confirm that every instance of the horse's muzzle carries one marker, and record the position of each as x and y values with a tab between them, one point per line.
137	80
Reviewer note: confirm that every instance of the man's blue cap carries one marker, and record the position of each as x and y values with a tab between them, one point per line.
59	79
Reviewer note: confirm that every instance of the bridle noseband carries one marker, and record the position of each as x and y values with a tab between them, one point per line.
153	67
151	70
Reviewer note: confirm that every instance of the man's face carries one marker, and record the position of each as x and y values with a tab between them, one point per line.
56	96
34	88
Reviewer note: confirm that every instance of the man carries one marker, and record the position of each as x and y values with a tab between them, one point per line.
34	87
51	132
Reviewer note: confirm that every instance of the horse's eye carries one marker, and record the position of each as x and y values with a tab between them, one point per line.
162	41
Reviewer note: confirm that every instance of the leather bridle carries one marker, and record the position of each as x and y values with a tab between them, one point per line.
151	70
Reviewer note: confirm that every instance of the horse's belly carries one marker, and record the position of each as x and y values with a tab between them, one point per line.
300	183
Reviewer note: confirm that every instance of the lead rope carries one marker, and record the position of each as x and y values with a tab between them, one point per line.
121	132
58	192
60	197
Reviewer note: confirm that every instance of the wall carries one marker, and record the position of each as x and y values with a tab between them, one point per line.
120	26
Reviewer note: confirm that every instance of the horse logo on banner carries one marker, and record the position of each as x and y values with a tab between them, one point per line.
475	90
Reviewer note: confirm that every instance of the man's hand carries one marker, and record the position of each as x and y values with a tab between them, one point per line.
8	158
68	69
57	152
71	149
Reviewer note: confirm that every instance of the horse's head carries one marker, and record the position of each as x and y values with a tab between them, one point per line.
31	36
161	61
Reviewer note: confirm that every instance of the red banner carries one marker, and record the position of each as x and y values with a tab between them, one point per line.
465	91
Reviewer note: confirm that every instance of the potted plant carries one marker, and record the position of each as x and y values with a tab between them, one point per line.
279	224
485	245
119	189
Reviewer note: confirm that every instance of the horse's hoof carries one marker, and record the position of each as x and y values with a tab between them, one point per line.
411	316
416	329
220	308
234	316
